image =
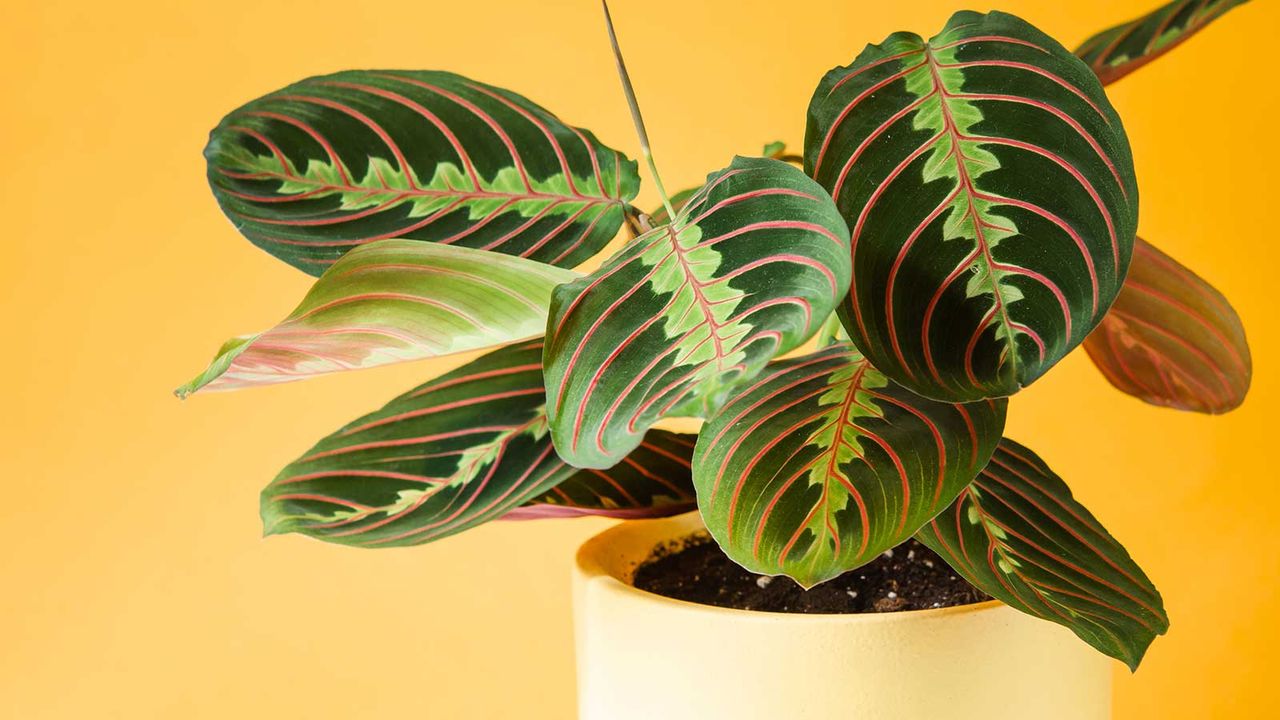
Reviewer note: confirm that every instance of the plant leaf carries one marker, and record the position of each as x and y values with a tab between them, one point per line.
653	481
324	165
1171	339
1118	51
678	201
462	449
989	188
392	301
823	463
750	268
1018	535
775	149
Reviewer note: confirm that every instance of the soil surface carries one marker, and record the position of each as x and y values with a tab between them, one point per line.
909	577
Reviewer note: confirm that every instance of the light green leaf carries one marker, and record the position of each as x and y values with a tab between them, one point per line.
392	301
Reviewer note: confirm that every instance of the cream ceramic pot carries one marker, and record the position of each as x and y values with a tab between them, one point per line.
643	656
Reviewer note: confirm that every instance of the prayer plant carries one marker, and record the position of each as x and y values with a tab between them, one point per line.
963	215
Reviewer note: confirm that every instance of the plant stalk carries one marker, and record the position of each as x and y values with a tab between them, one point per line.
635	111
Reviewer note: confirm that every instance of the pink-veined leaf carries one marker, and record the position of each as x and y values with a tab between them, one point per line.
1171	339
462	449
749	269
392	301
1018	535
1118	51
775	150
678	201
989	188
653	481
332	162
823	463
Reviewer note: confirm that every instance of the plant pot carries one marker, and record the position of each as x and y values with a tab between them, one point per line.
641	655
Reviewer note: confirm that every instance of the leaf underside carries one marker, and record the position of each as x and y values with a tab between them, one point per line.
462	449
1171	339
1018	535
392	301
332	162
1118	51
989	188
823	463
751	266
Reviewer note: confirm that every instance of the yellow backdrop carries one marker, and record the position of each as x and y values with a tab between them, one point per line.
133	579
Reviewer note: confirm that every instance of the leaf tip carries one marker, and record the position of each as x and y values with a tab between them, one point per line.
274	522
229	351
1132	656
194	385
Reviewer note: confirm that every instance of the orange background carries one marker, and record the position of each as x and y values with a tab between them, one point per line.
133	579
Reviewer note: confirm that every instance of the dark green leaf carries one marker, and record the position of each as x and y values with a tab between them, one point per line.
332	162
1018	535
465	448
653	481
750	268
989	188
823	463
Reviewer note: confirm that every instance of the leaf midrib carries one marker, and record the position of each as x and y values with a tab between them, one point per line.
1005	553
425	192
703	304
971	199
842	421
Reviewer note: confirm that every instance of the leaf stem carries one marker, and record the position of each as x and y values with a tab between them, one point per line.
635	111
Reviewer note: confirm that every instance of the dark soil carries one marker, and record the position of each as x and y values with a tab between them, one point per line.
909	577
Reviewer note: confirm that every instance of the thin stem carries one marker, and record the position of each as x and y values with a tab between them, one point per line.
635	111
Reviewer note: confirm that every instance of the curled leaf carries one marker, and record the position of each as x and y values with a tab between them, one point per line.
1118	51
1171	339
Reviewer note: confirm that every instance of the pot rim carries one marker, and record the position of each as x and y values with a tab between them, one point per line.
640	538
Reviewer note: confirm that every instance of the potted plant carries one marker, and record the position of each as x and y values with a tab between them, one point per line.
963	215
